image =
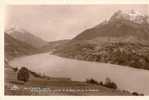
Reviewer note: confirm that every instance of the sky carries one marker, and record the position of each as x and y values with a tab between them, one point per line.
57	22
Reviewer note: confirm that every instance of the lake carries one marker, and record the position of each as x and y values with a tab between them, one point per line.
126	78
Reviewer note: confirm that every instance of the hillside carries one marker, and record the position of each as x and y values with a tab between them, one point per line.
51	46
122	40
120	53
27	37
14	48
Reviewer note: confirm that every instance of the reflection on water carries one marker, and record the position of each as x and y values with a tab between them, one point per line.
125	77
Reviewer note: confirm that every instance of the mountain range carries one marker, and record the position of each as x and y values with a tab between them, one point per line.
18	43
119	25
122	40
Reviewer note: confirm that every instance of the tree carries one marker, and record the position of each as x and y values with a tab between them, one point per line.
23	74
101	83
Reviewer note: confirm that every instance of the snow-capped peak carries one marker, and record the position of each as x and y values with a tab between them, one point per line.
132	15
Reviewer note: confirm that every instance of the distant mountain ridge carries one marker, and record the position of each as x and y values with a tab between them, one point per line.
53	45
14	48
27	37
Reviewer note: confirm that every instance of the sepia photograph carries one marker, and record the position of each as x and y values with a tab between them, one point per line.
76	50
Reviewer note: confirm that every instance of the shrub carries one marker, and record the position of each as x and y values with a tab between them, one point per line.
92	81
15	69
137	94
101	83
109	84
23	74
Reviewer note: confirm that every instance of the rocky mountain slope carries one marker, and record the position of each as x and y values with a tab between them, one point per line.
119	25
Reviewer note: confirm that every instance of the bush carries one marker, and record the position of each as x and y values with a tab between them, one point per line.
23	74
15	69
137	94
109	84
101	83
92	81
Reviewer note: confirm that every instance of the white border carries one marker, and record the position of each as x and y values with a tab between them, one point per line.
76	1
3	4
